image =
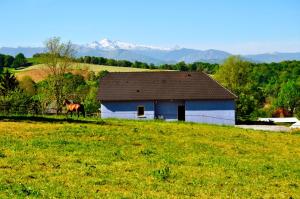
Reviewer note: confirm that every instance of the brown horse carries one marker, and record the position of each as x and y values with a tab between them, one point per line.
74	107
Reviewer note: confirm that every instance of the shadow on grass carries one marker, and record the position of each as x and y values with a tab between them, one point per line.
50	119
250	122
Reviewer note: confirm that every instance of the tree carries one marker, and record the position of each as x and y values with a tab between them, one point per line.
8	82
91	103
246	105
75	87
44	94
181	66
111	62
234	73
289	96
2	60
58	59
8	61
20	60
94	60
87	59
101	61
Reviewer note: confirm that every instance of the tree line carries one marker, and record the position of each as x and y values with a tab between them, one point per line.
13	62
180	66
262	88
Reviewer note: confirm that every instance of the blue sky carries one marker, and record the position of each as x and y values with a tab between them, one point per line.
236	26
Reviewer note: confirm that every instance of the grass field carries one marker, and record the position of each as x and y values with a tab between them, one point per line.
54	158
39	72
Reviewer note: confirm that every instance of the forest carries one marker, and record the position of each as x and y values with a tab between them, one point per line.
262	88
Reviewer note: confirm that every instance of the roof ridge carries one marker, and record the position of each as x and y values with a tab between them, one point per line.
166	71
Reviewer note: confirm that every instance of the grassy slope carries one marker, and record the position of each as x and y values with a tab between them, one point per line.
146	159
39	72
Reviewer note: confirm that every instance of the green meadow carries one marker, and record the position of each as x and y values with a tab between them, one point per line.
93	158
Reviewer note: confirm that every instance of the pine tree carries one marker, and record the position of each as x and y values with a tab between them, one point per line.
8	82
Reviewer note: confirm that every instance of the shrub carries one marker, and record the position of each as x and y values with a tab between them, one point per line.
91	103
162	174
2	155
28	85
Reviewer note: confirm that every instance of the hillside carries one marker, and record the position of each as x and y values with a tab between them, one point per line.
51	158
40	72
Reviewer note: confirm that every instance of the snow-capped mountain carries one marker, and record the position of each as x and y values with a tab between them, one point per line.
150	54
133	52
107	44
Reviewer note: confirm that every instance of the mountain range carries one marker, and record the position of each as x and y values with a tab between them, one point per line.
151	54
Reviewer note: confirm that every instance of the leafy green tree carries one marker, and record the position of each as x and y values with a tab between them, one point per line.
245	106
101	61
8	61
181	66
152	66
44	94
58	60
87	59
289	96
75	87
124	63
91	103
94	60
73	81
111	62
234	73
20	60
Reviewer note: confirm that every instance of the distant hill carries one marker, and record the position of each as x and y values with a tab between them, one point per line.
149	54
273	57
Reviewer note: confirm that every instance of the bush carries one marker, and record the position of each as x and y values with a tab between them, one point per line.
18	102
2	155
162	174
91	103
28	85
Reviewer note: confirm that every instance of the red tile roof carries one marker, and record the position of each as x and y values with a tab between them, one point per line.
167	85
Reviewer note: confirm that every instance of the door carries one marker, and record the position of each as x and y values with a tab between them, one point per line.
181	113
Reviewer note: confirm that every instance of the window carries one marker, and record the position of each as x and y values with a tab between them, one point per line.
140	111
